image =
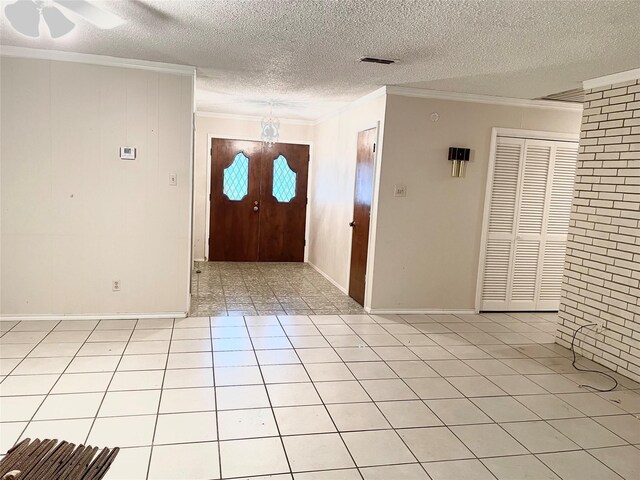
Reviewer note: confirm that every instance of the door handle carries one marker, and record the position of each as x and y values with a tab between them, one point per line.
255	206
352	223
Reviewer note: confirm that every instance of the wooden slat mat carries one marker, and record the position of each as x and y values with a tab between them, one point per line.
55	460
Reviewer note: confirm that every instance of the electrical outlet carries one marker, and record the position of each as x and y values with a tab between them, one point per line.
115	285
173	179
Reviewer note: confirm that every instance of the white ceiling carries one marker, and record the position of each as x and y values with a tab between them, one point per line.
303	54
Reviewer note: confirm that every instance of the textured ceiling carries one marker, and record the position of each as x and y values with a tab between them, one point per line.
303	54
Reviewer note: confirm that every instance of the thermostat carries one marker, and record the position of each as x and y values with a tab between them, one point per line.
127	153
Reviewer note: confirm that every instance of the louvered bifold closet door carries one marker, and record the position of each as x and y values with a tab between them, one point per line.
501	223
531	188
530	220
557	224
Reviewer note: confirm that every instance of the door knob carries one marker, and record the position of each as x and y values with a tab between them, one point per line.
255	209
352	224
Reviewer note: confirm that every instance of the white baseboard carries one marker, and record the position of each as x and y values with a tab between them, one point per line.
106	316
333	282
420	311
200	259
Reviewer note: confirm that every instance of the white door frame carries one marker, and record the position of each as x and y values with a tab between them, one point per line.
506	132
368	275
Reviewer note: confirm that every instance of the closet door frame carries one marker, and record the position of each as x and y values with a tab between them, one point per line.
515	133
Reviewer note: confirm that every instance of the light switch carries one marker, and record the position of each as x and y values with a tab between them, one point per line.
173	179
400	191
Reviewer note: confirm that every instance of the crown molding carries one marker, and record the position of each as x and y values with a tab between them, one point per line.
60	56
486	99
612	79
369	96
252	118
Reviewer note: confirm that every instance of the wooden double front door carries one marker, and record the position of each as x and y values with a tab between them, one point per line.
258	201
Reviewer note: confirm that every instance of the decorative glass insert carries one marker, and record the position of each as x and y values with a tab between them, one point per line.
284	180
235	180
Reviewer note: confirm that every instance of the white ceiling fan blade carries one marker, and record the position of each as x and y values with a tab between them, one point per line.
58	24
92	13
24	17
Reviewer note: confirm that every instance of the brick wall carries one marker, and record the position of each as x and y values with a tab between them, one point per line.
602	269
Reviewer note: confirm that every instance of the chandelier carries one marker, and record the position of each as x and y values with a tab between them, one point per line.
270	128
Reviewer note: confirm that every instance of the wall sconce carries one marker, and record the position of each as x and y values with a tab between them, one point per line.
458	157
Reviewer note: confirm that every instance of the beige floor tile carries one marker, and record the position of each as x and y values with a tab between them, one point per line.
329	452
539	437
625	460
434	443
587	433
74	405
239	424
267	457
293	394
525	467
488	440
188	400
185	428
577	466
342	392
458	470
242	396
357	416
303	420
19	409
411	471
379	447
195	461
411	413
390	389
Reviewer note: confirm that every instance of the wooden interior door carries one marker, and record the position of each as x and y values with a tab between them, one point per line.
362	213
283	202
235	197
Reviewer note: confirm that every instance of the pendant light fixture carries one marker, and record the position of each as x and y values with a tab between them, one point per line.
270	128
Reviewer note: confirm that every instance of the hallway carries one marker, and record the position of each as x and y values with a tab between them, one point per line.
226	288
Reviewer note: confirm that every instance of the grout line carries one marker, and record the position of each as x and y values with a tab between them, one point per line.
326	409
106	391
164	375
215	398
54	383
273	414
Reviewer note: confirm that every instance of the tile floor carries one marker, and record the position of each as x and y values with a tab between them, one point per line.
319	397
225	288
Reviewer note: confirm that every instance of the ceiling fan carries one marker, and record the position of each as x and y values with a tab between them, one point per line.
24	16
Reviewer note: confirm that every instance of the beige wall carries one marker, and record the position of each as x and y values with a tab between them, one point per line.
74	216
332	185
428	243
222	127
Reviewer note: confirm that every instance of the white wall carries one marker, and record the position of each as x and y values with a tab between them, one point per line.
428	243
602	270
75	216
332	185
236	128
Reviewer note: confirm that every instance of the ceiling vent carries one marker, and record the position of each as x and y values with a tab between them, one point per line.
575	96
382	61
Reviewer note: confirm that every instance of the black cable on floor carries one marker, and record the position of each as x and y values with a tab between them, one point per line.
573	351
